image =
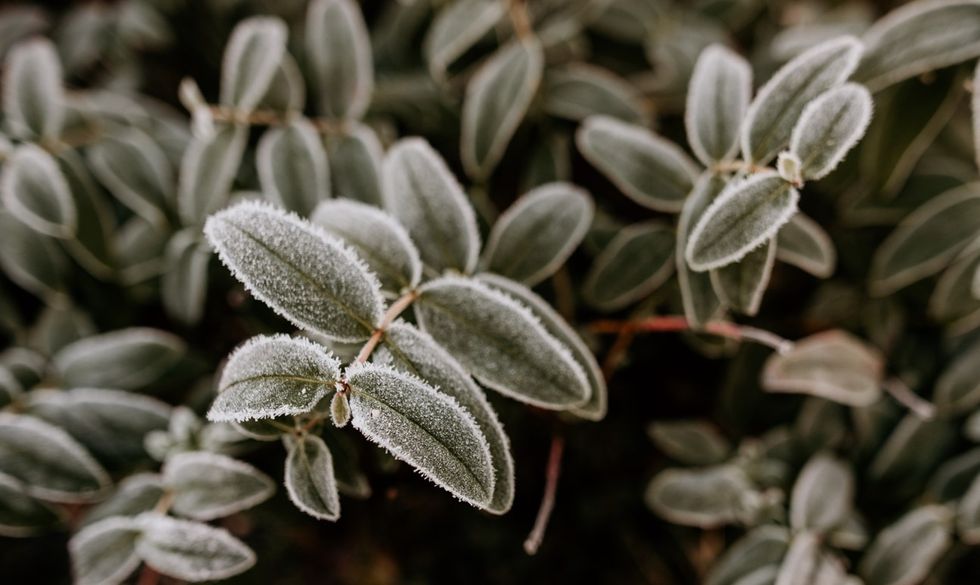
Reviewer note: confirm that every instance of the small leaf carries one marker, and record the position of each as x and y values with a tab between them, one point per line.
804	244
579	90
287	90
717	99
134	495
799	566
905	552
957	390
128	359
707	497
455	29
968	514
184	282
190	551
293	167
207	172
339	410
829	127
206	485
355	164
33	261
252	57
339	52
310	480
33	96
690	442
538	233
274	376
304	274
760	547
742	284
822	495
632	266
104	553
35	192
701	304
428	430
20	514
648	169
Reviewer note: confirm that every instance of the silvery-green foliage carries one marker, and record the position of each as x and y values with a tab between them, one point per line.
691	442
104	553
356	159
428	430
799	566
32	260
378	239
304	274
822	495
698	297
338	50
777	106
717	99
764	546
208	170
287	90
829	127
957	390
578	90
804	244
33	189
128	359
633	265
339	410
497	99
309	478
538	233
184	282
968	514
92	246
501	343
137	173
741	285
952	299
707	497
134	495
647	168
20	514
190	551
272	376
905	552
251	59
455	29
293	168
206	485
33	96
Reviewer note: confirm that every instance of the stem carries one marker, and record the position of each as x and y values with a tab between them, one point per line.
536	536
517	10
679	323
272	118
903	395
396	308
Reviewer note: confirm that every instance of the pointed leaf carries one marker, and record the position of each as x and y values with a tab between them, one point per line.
128	359
136	171
310	480
701	304
717	99
455	29
707	497
190	551
339	52
690	442
804	244
579	90
206	485
35	192
632	266
822	495
104	553
252	56
742	284
905	552
829	127
134	495
293	167
799	566
33	96
207	172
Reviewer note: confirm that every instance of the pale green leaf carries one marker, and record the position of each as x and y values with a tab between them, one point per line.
104	553
287	90
355	164
701	304
184	282
717	99
33	95
691	442
804	244
190	551
128	359
455	29
968	514
134	495
579	90
206	485
310	480
208	170
830	126
252	56
292	165
708	497
822	495
741	285
33	189
632	266
339	53
20	514
32	260
136	171
957	390
760	547
905	552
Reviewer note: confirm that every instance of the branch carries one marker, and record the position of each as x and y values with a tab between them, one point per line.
396	308
679	323
536	536
517	10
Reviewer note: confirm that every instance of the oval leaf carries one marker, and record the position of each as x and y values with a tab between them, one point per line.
184	282
293	167
455	29
252	57
104	553
760	547
32	260
708	497
136	171
830	126
190	551
701	304
804	244
355	164
690	442
579	90
309	478
20	514
208	170
632	266
822	495
206	485
34	190
905	552
717	99
339	52
742	284
33	97
128	359
958	388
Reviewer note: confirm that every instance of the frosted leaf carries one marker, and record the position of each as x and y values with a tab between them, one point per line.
134	495
356	158
424	428
538	233
691	442
32	260
351	480
377	238
822	495
190	551
293	167
338	50
501	343
136	171
717	98
779	103
207	171
206	485
104	553
48	462
455	29
804	244
58	326
790	167
274	376
830	126
415	352
304	274
128	359
310	480
968	514
746	215
421	192
339	410
184	282
287	90
33	96
698	297
742	284
905	552
648	169
252	56
497	99
833	365
638	260
21	515
708	497
957	390
799	566
578	90
760	547
33	189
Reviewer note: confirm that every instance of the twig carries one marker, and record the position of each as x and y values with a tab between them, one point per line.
536	536
394	310
903	395
272	118
517	10
679	323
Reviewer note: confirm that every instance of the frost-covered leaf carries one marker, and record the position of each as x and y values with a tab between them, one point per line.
428	430
20	514
134	495
822	495
968	514
339	52
356	159
690	442
538	233
707	497
128	359
747	214
779	103
497	99
760	547
208	170
33	97
422	193
742	284
184	282
136	171
632	266
190	551
501	343
833	365
957	390
804	244
33	189
377	238
455	29
905	552
579	90
274	376
799	565
32	260
206	485
252	57
104	553
304	274
701	304
717	99
310	480
293	167
829	127
648	169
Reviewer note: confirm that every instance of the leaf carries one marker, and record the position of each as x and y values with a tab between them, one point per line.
957	390
717	99
414	352
760	547
637	261
140	247
648	169
293	167
272	376
32	260
377	238
538	233
33	96
128	359
833	365
310	480
455	29
968	514
184	282
252	57
799	566
104	553
501	343
310	278
134	495
804	244
951	480
20	514
830	126
927	239
701	304
742	284
497	99
707	497
287	90
355	157
691	442
822	495
338	50
428	430
952	298
421	192
905	552
206	486
579	90
35	192
92	246
207	172
190	551
747	214
780	102
903	44
48	462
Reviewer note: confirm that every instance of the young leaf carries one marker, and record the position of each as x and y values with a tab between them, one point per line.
309	478
501	343
455	29
957	390
690	442
134	495
760	547
104	553
20	514
33	97
779	103
206	485
274	376
32	260
128	359
579	90
701	304
207	172
190	551
633	265
424	428
968	514
339	53
421	192
717	99
252	56
339	410
184	282
136	171
746	215
648	169
905	552
33	190
742	284
829	127
293	167
822	495
804	244
355	164
707	497
538	233
975	110
307	276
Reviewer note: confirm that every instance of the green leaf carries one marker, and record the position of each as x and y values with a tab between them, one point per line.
632	266
708	497
691	442
140	247
957	390
207	172
293	168
252	57
310	480
717	99
975	110
763	546
184	282
742	284
799	566
92	246
287	90
952	299
35	192
20	514
33	261
907	455
33	96
951	481
905	552
190	551
355	164
579	90
829	127
455	29
968	514
206	485
804	244
307	276
134	495
339	53
701	304
128	359
822	495
104	553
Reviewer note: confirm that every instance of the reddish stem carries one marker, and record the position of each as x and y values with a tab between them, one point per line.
536	536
